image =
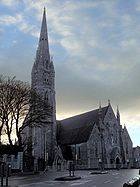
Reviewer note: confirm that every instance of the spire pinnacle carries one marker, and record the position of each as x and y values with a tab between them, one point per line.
100	105
44	33
118	115
117	109
100	111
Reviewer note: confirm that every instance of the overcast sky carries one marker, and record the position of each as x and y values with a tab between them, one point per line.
95	46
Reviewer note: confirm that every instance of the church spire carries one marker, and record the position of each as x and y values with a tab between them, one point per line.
43	46
100	112
43	85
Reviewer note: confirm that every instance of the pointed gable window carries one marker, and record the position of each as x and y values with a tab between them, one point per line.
46	63
96	149
112	140
79	153
126	148
46	96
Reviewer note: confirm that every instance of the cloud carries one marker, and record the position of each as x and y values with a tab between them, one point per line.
10	20
20	22
79	5
9	2
95	47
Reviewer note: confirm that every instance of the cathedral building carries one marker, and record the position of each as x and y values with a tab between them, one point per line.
94	139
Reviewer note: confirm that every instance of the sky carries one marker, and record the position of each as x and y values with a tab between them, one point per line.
95	46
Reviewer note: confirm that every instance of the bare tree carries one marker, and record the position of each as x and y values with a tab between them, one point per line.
39	109
2	110
21	107
14	105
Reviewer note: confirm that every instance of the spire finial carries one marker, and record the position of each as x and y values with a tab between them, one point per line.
118	109
44	10
108	101
100	111
118	115
100	104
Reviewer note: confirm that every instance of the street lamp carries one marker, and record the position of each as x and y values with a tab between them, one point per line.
102	148
127	161
136	163
47	160
100	163
76	158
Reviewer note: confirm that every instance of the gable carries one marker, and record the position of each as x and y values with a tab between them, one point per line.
110	116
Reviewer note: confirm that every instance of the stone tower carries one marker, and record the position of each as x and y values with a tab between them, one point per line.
43	107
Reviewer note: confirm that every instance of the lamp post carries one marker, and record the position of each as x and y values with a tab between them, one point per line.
2	173
137	163
100	163
46	162
127	161
102	150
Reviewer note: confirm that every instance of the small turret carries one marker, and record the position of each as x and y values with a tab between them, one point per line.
118	115
100	112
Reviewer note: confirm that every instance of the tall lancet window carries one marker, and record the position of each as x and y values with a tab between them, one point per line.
96	149
112	140
46	97
46	64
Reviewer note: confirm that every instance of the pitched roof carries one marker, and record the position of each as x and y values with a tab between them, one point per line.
77	129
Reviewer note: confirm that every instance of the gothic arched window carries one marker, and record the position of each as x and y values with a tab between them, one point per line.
46	96
46	63
79	153
96	149
126	148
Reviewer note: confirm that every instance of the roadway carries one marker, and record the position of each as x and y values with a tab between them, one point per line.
114	178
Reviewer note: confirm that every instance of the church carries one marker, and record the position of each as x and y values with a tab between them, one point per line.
95	139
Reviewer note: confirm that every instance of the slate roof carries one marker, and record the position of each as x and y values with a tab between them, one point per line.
77	129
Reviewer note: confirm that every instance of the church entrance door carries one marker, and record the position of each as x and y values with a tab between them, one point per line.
59	161
118	163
